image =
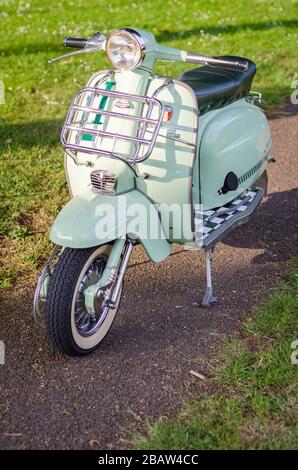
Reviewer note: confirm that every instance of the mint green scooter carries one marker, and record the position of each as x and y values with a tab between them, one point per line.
149	160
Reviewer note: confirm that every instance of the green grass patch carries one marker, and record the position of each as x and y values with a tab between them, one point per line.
256	404
37	95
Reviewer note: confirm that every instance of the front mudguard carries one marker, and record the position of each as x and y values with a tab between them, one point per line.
81	224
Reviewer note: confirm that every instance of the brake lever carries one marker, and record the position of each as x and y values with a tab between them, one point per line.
96	43
70	54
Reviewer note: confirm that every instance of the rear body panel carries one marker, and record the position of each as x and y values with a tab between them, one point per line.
235	138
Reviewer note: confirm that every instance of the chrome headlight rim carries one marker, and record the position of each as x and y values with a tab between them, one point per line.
137	39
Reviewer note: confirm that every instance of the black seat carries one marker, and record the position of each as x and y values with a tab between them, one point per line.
216	87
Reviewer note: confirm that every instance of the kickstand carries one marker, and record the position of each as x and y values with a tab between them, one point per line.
208	298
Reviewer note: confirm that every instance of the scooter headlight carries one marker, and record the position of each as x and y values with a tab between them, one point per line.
125	49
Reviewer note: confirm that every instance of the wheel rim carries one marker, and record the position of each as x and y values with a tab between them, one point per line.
87	324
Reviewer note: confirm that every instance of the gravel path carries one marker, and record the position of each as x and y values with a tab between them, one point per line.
142	369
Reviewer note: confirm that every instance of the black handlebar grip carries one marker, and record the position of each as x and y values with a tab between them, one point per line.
76	43
240	66
222	62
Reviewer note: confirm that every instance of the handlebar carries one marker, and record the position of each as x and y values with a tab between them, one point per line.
216	62
76	43
98	40
96	43
81	43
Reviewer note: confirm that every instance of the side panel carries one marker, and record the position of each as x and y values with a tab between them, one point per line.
235	138
91	219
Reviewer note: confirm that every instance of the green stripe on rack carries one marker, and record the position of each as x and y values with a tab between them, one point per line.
102	104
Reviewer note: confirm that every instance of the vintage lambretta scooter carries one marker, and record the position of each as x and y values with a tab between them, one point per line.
150	160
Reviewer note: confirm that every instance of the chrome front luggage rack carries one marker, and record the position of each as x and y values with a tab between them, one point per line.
95	126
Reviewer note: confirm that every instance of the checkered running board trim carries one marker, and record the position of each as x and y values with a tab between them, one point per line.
211	225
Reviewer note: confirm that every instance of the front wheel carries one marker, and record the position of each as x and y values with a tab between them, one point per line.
69	326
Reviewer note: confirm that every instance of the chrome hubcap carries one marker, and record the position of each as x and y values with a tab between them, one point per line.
86	324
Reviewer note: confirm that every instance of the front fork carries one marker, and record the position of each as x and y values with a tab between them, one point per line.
108	287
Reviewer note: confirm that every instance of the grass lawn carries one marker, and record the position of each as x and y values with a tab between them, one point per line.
256	402
37	94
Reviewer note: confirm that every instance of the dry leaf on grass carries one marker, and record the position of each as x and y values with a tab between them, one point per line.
196	374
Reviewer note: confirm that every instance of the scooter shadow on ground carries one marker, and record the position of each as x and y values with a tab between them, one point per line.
273	228
156	327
